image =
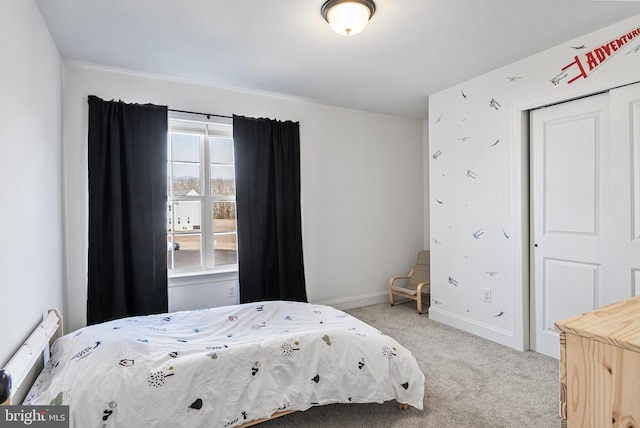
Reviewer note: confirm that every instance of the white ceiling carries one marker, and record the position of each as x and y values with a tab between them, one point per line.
410	49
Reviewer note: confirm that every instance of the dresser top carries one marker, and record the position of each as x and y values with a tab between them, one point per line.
617	324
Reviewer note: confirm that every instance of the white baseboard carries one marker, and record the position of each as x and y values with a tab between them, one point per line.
357	301
483	330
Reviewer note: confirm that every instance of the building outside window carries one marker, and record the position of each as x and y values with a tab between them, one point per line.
200	189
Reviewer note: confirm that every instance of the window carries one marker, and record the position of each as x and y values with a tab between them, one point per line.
201	205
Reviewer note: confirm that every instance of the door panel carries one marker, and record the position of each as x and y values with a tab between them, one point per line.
634	135
569	155
570	170
625	135
585	208
567	281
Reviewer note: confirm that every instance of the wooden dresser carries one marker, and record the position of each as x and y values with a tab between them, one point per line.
600	367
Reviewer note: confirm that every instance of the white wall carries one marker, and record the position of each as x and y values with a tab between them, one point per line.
425	190
478	180
362	186
31	254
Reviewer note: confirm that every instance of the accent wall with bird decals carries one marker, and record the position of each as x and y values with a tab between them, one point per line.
478	176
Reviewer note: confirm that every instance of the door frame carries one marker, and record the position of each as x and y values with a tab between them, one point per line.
520	206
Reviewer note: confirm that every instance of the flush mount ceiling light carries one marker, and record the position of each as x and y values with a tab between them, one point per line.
348	17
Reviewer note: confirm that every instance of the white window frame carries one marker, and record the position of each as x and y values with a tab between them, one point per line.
206	127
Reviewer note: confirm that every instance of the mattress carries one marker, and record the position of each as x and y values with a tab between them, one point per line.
223	367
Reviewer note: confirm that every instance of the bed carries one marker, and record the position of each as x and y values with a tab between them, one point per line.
229	366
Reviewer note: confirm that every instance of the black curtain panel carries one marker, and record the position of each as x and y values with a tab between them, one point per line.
127	210
270	261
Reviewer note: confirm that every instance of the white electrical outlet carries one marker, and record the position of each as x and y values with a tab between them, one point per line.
232	290
486	295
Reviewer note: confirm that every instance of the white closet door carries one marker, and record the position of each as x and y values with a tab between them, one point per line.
569	182
625	190
585	208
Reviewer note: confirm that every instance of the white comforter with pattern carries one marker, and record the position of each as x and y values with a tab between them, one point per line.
223	367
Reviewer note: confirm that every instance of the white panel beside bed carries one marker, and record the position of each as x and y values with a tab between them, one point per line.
24	362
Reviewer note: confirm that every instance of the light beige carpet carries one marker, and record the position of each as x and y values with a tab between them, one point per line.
470	382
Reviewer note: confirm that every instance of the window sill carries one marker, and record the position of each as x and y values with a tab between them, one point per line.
178	279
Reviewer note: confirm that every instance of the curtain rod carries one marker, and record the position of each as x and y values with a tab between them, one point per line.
203	114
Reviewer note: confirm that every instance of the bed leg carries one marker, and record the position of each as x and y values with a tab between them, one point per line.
403	406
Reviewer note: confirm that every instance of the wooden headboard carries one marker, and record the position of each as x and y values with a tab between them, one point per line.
25	364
